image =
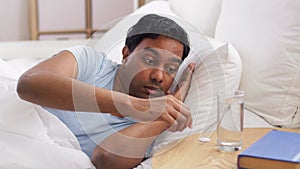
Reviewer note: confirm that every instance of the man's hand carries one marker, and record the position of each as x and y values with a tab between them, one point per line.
175	113
182	89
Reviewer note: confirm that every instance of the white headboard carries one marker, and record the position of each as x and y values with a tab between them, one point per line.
34	49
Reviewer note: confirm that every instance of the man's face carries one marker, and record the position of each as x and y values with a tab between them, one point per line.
151	67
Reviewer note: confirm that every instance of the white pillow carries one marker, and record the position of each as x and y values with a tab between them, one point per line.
267	35
203	14
30	136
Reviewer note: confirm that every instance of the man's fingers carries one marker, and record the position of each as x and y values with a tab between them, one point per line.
173	127
190	122
182	122
184	82
183	117
184	110
169	119
176	114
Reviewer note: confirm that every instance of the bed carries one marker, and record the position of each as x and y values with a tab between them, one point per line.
227	55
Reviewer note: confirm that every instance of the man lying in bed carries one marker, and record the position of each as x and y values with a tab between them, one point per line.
133	97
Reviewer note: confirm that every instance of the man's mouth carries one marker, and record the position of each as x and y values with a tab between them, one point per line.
154	91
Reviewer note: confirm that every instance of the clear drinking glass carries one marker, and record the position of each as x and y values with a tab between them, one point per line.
230	121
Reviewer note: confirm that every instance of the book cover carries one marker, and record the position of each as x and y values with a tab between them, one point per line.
275	150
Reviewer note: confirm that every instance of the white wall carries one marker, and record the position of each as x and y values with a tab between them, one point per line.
14	24
57	14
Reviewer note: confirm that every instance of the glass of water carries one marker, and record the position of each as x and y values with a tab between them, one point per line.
230	121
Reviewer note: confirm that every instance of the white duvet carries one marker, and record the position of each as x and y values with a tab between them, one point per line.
31	137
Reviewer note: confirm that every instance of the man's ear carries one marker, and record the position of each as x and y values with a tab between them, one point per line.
125	52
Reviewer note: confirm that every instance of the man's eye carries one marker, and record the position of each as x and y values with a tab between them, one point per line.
171	69
149	60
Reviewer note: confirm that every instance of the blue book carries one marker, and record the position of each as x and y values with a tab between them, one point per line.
275	150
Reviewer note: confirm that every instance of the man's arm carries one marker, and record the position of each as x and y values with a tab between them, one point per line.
126	148
52	83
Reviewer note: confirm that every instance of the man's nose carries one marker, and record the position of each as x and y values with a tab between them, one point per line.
157	75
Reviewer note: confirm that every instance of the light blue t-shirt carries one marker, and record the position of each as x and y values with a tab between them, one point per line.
92	128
